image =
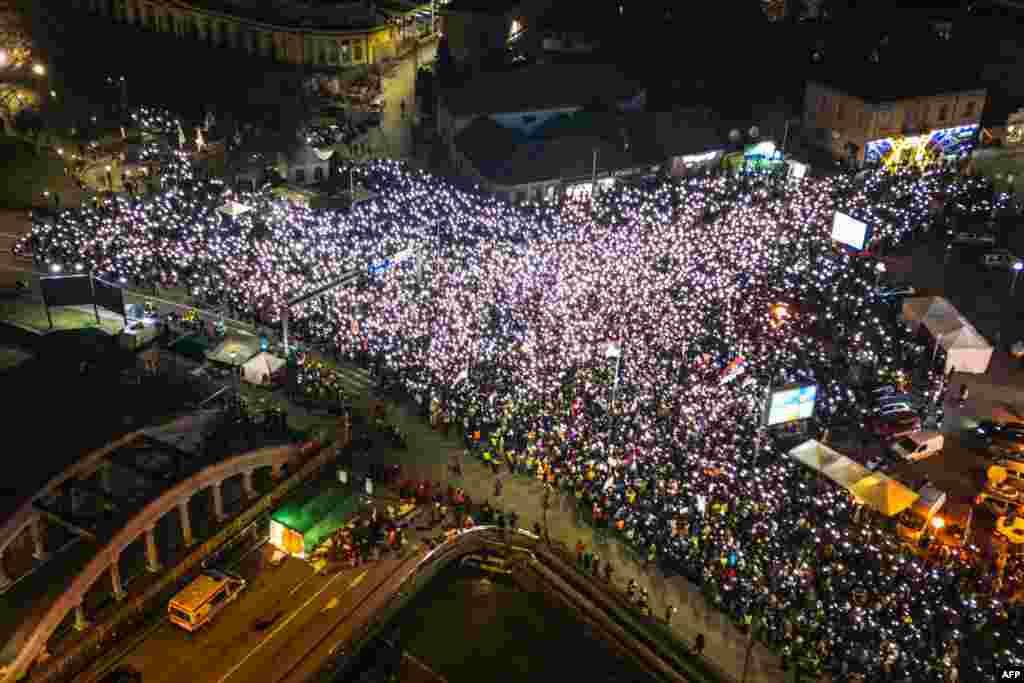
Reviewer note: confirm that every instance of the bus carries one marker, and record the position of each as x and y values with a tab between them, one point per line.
202	599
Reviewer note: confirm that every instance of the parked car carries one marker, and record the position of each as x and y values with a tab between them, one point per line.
1000	431
1005	450
1004	491
918	445
1001	258
997	504
896	292
882	390
892	426
973	239
1012	529
890	408
896	398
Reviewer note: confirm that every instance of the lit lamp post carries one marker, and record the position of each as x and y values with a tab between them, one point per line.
1017	267
110	178
879	271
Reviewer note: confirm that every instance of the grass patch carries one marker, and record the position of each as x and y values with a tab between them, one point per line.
32	317
26	173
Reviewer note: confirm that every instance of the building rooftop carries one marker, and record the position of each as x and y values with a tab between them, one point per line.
540	86
497	7
564	147
326	16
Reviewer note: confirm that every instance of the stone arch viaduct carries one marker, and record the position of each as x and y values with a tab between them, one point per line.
29	642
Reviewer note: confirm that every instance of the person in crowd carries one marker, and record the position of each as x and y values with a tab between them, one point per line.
621	346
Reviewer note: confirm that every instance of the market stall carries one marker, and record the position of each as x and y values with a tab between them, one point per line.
966	350
264	369
298	528
883	494
235	350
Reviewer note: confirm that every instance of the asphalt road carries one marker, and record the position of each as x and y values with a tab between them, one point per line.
398	87
309	612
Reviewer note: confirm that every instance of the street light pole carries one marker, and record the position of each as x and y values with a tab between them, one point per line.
879	271
1017	267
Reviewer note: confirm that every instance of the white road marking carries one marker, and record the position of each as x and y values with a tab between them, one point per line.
280	626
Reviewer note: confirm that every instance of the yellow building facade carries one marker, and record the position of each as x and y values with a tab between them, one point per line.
298	44
834	119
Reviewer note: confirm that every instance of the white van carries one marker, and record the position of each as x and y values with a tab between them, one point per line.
918	445
912	522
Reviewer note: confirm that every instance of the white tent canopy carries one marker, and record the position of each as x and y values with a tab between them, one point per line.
234	209
834	465
966	349
261	368
877	491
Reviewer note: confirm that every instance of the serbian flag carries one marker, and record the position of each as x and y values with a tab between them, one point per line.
734	369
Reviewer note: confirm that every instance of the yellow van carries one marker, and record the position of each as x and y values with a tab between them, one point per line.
203	599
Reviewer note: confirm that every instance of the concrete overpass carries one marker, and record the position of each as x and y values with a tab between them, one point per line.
28	644
30	516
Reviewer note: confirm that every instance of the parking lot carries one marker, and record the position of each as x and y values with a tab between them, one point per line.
988	297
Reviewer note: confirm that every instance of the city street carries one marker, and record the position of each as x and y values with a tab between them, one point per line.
399	87
283	614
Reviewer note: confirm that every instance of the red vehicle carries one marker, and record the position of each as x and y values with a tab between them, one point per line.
892	426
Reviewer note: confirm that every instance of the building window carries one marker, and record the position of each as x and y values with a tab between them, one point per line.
300	175
969	109
943	112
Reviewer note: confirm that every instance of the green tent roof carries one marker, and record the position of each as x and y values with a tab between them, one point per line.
305	514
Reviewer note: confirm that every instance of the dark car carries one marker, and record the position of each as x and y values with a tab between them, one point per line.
995	432
892	426
122	674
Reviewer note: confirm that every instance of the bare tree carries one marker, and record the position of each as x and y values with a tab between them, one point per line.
22	74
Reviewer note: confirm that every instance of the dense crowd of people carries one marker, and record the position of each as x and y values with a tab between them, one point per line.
621	348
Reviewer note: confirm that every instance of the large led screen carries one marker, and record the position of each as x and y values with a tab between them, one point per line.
791	404
66	290
849	231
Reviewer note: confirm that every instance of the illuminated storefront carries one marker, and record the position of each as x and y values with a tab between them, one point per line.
922	150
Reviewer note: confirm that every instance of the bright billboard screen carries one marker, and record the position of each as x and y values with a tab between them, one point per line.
849	231
791	404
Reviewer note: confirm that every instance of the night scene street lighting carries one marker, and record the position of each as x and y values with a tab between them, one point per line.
1017	267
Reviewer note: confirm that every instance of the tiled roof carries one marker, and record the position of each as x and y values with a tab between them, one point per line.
565	148
539	86
294	14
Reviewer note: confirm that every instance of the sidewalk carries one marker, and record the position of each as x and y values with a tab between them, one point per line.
725	646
